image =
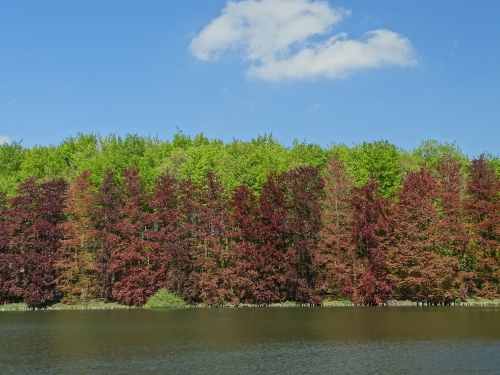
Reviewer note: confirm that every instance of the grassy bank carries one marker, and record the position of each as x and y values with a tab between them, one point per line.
14	307
62	306
483	301
344	303
88	306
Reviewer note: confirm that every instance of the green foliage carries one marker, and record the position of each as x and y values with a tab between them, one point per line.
494	162
45	163
174	163
407	163
14	307
431	152
165	299
379	160
237	162
249	163
11	158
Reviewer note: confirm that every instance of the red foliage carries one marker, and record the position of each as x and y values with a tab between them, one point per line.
168	232
76	263
6	257
272	244
304	192
283	251
483	208
450	182
210	254
176	217
130	258
354	224
341	268
179	241
107	218
33	232
244	258
370	226
416	269
301	236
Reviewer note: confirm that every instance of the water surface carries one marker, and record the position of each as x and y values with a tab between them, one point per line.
336	340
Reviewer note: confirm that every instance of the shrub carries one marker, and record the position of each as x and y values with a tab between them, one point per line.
165	299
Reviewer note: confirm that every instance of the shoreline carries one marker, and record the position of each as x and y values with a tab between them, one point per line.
115	306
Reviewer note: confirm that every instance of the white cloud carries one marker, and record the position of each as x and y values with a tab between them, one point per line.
4	139
274	35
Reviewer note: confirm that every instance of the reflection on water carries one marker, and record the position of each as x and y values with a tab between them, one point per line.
364	340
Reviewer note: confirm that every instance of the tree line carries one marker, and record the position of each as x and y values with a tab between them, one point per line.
236	163
304	234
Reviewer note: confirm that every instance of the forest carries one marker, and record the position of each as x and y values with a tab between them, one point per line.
246	221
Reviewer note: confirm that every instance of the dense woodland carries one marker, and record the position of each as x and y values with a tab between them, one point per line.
246	222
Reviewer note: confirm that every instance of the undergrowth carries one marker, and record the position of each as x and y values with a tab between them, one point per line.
163	298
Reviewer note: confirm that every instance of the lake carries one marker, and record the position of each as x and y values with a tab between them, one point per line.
335	340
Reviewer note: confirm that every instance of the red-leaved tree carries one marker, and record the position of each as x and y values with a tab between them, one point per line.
284	250
34	234
483	209
174	220
341	267
416	269
370	227
130	258
450	182
273	241
107	218
7	289
210	254
244	256
304	187
76	277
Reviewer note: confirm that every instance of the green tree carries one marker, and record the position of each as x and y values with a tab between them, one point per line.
431	152
379	160
11	158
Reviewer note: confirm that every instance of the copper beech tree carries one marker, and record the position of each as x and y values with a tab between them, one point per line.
244	255
131	263
107	217
212	231
287	234
32	233
272	241
340	266
354	222
7	287
371	226
173	205
454	238
304	236
76	266
482	205
417	268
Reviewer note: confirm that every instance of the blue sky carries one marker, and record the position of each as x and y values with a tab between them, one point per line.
324	71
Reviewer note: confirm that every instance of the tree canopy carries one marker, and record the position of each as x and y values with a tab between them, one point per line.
246	222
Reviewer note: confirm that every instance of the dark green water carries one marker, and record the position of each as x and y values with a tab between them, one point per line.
351	340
